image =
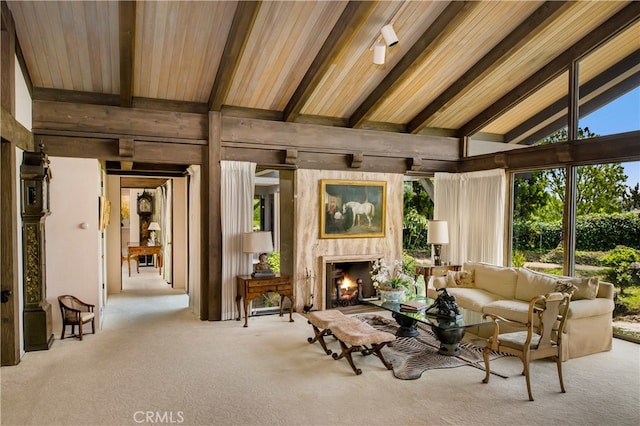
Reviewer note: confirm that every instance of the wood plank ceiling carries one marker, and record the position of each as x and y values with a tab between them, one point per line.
489	69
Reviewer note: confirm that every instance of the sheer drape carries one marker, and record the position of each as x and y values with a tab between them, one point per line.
237	184
194	239
473	204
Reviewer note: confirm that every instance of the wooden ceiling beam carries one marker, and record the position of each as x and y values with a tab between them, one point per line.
139	182
618	148
529	29
243	20
127	30
427	43
521	133
352	18
147	169
11	130
608	30
75	97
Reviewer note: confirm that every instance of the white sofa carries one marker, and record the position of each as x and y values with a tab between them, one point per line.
506	292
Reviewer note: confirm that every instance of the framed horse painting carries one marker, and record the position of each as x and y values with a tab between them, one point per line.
352	209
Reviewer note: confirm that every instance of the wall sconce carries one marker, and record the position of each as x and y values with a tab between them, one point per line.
259	242
437	234
389	35
153	227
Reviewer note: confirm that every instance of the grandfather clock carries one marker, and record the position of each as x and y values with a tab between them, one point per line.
145	210
35	175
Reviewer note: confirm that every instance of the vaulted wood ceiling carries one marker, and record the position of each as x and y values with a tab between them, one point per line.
494	69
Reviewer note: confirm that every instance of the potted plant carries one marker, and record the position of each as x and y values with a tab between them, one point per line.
391	283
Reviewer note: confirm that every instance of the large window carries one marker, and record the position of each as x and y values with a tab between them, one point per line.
538	205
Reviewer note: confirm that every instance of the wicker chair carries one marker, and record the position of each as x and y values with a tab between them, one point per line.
76	312
540	337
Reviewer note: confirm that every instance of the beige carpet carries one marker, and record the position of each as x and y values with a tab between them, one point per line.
153	358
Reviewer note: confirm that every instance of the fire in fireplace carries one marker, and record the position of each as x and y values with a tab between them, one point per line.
347	282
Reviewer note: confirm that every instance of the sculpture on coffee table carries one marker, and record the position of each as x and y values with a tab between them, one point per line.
445	304
447	312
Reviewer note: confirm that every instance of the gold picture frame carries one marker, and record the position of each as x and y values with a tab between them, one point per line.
352	209
104	212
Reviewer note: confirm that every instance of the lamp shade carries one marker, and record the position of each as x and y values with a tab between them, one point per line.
438	232
154	226
257	242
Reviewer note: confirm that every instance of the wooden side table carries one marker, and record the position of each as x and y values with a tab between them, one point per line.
249	288
133	251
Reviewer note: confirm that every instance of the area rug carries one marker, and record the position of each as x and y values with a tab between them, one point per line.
412	356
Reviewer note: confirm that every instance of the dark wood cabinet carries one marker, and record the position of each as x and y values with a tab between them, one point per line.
249	288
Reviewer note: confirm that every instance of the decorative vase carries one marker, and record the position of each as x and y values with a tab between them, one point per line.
395	295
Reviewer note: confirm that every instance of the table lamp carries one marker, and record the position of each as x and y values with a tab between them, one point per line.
259	242
437	234
153	227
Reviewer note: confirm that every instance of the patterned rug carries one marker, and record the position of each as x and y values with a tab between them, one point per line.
412	356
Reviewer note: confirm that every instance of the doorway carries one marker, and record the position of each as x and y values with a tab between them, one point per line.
152	237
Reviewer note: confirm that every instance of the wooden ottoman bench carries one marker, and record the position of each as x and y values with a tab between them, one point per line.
322	321
363	338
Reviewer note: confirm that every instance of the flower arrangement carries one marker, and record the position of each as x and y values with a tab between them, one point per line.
386	278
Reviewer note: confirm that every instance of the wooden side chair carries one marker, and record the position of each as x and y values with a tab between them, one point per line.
76	312
540	337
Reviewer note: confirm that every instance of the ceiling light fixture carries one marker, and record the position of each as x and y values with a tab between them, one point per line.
379	51
379	48
389	35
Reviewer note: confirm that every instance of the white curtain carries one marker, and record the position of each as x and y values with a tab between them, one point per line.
194	239
473	204
237	184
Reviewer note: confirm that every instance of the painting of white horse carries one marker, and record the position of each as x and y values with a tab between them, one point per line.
352	209
359	210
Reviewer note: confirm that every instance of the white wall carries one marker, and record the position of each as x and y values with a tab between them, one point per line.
134	219
114	247
73	254
23	116
23	100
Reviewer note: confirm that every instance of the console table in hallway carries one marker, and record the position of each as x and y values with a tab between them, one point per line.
138	250
248	288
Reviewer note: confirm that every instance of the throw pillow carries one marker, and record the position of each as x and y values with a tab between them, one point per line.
587	289
462	279
565	286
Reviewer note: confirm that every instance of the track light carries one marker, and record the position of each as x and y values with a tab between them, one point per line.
389	35
379	51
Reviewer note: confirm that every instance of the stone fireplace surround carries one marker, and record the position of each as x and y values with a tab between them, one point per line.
311	253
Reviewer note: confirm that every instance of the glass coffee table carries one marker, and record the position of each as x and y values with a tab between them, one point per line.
449	331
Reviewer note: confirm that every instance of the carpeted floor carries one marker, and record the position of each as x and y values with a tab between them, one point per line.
154	362
412	356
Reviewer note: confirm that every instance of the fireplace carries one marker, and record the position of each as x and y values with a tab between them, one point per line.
347	279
